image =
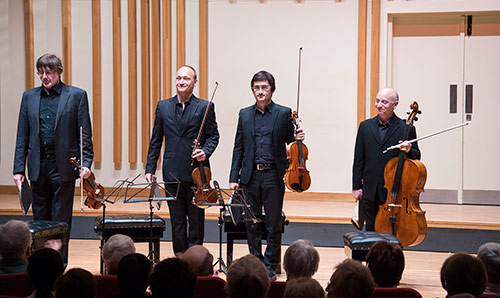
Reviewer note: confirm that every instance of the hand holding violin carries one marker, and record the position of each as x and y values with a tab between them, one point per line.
299	134
85	172
198	154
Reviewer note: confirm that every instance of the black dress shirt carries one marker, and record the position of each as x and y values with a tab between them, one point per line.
49	101
263	134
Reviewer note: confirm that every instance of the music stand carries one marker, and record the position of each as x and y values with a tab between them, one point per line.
221	193
155	195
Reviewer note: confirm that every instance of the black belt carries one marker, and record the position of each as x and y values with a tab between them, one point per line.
264	166
48	151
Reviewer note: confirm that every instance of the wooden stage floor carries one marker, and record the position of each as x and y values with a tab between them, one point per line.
422	267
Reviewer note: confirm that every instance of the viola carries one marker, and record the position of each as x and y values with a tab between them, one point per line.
401	214
95	191
202	175
297	176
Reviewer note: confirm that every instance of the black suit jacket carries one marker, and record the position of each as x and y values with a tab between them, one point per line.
179	142
369	161
244	143
72	113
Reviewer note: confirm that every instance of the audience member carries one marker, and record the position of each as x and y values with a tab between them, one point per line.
44	267
76	283
351	279
386	261
200	260
247	278
114	249
133	276
463	273
15	246
462	295
303	287
172	277
301	259
489	253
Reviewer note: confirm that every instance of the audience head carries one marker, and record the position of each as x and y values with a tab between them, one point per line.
200	260
386	262
489	253
303	287
247	278
116	248
76	283
463	273
15	240
133	275
44	267
351	279
301	259
172	277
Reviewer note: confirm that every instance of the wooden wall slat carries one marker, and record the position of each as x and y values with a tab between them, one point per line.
167	48
181	33
362	15
66	42
96	82
145	102
203	48
117	82
155	52
29	49
375	55
132	81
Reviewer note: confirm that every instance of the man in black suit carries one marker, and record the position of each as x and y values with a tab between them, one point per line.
259	164
374	136
48	134
178	120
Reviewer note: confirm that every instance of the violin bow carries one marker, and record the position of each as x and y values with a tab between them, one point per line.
197	141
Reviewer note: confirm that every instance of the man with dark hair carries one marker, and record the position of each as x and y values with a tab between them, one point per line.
301	259
303	287
178	120
76	283
351	279
247	278
489	253
172	278
133	276
259	164
15	246
386	261
374	136
48	134
44	268
463	273
200	260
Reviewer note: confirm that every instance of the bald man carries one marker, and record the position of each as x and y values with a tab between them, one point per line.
374	136
200	260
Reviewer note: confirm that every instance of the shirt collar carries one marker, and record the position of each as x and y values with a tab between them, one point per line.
267	109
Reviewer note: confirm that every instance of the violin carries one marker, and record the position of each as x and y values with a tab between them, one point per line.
201	174
401	214
297	176
95	191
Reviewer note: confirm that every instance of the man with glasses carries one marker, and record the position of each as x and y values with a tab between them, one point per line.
259	164
48	134
178	121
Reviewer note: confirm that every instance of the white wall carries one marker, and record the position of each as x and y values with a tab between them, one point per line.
244	37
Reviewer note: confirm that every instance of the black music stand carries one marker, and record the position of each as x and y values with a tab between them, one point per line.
221	193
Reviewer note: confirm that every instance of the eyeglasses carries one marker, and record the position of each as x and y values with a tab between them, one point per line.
47	72
263	87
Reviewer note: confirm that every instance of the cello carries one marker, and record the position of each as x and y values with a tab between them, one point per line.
202	175
297	176
401	214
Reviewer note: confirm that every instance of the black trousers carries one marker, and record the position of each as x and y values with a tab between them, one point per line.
187	220
53	198
370	209
265	190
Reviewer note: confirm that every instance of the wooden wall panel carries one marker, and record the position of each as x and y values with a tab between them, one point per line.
155	53
96	81
117	83
181	33
375	55
29	49
167	48
132	81
203	48
145	102
362	14
66	41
